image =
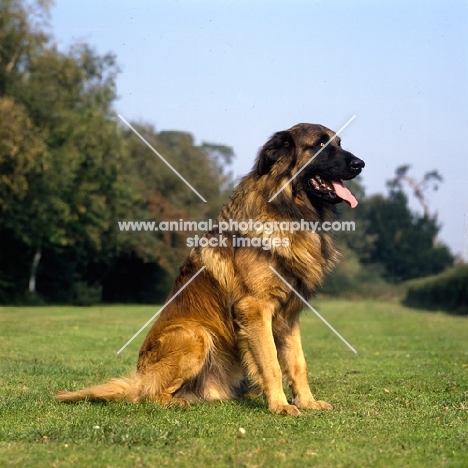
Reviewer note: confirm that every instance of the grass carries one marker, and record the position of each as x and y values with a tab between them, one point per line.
401	401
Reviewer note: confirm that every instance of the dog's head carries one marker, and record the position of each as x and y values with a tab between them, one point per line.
312	154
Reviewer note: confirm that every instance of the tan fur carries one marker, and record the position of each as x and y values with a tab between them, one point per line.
115	389
237	323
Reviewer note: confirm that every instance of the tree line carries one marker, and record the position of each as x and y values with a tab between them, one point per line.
70	170
393	243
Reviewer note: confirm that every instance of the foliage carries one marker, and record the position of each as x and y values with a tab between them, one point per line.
69	171
405	240
401	401
447	291
430	180
20	145
388	233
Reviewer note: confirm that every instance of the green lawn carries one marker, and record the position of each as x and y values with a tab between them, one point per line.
401	401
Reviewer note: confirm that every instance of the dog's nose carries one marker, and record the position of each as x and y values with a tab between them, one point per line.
357	164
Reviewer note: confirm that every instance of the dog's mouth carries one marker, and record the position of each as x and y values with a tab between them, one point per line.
332	190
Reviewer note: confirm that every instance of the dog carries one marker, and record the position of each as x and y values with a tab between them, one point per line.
236	325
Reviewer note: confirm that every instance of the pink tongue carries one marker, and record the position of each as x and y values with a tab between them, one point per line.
344	193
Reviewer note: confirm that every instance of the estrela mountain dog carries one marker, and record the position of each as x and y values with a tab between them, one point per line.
237	323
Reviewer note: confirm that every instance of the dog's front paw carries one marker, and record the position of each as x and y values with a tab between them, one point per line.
310	403
290	410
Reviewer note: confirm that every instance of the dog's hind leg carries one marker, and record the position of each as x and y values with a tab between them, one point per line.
166	364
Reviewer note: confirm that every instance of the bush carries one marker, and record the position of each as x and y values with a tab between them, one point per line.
446	291
85	295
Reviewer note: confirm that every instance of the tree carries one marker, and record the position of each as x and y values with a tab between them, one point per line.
431	180
404	240
22	36
21	145
69	171
65	153
164	197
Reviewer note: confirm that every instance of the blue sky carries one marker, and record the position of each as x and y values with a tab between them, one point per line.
234	72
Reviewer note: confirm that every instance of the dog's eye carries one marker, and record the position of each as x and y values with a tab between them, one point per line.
314	146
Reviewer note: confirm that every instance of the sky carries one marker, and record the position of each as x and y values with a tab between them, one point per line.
235	72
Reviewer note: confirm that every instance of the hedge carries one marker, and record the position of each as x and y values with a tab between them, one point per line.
447	291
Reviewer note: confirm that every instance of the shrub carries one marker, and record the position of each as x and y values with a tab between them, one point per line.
446	291
85	295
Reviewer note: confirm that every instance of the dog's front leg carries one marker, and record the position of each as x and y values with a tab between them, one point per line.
293	364
259	355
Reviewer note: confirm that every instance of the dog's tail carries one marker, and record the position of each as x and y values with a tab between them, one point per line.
116	389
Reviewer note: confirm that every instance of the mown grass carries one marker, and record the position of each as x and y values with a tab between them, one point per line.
401	401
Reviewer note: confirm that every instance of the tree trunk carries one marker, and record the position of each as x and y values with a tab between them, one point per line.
34	265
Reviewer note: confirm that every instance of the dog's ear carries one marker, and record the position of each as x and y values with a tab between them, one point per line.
279	147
